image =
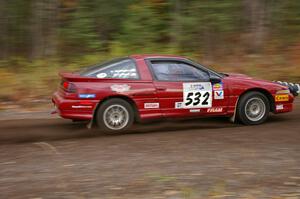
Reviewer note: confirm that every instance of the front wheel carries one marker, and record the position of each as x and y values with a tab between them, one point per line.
115	116
253	108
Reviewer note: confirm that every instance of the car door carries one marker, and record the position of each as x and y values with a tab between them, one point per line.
185	90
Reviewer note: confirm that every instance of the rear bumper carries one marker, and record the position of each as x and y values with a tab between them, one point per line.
74	109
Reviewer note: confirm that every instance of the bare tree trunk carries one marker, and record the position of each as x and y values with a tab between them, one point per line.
51	29
37	39
176	26
256	13
4	47
44	28
208	40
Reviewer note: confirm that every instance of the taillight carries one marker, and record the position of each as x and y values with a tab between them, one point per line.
69	87
65	85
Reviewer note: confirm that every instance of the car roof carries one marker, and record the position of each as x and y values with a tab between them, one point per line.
146	56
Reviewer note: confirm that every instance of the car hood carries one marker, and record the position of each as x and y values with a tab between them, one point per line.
238	75
250	81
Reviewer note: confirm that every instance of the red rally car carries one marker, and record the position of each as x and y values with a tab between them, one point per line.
116	93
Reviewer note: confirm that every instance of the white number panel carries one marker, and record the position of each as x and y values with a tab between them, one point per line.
197	95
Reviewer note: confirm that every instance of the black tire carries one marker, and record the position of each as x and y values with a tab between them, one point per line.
246	117
104	108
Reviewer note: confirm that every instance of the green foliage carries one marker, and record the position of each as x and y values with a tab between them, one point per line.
286	20
80	30
144	27
207	21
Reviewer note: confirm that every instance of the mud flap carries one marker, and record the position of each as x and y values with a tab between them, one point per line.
91	122
233	118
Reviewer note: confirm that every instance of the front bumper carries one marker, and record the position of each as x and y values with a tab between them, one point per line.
73	108
284	106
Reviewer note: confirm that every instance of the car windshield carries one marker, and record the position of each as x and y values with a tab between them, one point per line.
212	72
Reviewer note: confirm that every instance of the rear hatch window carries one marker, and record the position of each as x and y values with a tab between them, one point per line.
122	68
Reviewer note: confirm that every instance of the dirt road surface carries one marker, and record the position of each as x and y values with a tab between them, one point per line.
202	158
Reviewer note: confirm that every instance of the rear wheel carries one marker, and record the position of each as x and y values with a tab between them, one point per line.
115	116
253	108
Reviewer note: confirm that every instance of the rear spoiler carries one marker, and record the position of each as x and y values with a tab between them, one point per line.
294	88
69	76
75	77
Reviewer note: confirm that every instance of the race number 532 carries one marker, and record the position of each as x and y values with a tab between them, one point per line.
197	95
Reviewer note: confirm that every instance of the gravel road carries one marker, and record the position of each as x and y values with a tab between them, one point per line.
199	158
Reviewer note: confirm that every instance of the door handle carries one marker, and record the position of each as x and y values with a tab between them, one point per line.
161	88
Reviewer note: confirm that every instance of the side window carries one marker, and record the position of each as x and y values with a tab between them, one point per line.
177	71
122	69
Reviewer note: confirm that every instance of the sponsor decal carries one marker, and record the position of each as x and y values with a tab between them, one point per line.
124	73
218	87
194	86
197	95
101	75
120	88
194	110
178	105
219	94
81	106
151	105
87	96
215	110
282	98
279	107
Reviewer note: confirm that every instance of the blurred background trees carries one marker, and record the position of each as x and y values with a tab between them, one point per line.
39	37
65	28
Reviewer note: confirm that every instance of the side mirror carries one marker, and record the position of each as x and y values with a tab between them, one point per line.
215	80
